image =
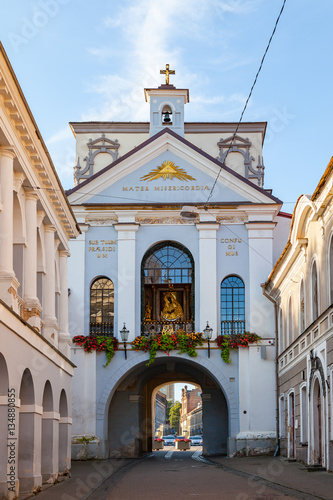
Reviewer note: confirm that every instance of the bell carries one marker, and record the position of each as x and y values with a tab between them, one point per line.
166	117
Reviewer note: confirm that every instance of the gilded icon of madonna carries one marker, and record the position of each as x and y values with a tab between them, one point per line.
172	309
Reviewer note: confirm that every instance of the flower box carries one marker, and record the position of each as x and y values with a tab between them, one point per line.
158	445
183	445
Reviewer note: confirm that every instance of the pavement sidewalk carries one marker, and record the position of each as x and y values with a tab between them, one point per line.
278	470
86	476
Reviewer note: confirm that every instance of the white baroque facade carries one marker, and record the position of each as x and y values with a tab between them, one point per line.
137	259
36	223
301	285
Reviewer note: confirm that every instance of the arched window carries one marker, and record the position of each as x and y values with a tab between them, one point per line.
315	298
102	307
331	271
281	332
301	308
232	305
167	288
290	322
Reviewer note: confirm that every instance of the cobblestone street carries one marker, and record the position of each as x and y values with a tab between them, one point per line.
176	475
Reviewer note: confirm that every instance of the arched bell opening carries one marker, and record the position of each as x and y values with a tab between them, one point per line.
130	415
166	115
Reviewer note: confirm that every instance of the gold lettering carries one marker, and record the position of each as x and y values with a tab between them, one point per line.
157	188
131	189
125	188
105	256
93	242
98	255
231	254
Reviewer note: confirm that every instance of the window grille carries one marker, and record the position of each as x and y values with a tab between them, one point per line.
102	307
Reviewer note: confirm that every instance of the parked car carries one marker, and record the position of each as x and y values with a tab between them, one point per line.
196	440
169	440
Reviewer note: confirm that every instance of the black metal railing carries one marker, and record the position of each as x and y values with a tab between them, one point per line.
151	328
96	329
232	327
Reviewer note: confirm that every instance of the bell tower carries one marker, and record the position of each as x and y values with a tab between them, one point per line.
167	106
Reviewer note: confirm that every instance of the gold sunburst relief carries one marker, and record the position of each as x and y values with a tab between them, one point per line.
168	170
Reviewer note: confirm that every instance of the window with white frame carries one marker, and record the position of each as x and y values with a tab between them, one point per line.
331	270
290	322
282	416
301	308
281	339
315	298
304	413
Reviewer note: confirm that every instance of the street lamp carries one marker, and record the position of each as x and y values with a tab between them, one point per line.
208	335
124	337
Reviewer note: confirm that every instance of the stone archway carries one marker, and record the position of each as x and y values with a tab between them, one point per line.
4	414
128	416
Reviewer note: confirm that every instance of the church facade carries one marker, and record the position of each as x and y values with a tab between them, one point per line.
177	230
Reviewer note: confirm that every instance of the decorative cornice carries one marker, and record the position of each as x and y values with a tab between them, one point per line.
31	144
164	220
223	219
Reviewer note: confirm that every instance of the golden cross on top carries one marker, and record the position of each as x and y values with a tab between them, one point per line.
167	72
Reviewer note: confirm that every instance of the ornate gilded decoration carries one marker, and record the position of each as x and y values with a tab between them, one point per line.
168	329
168	170
148	312
221	219
164	220
172	310
167	72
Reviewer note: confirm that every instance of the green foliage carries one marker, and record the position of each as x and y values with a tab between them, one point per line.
175	415
107	344
185	342
227	342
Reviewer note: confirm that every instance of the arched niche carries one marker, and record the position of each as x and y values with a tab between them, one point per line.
48	433
64	434
26	443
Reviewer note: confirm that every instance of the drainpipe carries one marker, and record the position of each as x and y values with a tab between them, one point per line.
277	415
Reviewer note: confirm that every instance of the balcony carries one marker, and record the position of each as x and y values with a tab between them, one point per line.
233	327
151	328
105	329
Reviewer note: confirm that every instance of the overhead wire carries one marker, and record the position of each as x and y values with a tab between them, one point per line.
246	102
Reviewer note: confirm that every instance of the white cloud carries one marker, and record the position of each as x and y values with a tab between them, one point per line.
63	134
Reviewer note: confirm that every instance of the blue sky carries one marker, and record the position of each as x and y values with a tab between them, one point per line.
79	60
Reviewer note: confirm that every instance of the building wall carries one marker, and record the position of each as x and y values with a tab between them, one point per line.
305	329
36	223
